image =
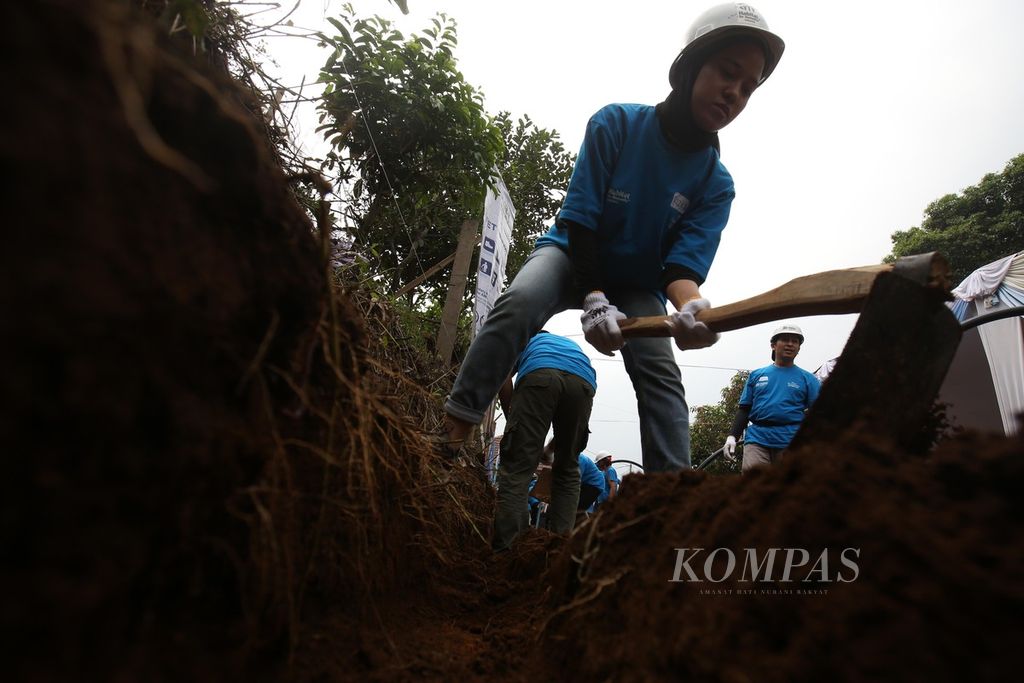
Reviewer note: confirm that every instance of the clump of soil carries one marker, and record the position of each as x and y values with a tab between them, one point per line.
936	593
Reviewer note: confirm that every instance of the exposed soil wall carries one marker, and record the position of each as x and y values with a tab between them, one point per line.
201	458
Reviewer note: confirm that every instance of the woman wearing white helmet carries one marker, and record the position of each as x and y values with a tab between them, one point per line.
641	222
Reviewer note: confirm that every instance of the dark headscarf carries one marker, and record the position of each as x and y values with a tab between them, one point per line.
675	114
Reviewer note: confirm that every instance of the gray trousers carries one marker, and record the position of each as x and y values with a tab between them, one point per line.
756	455
543	288
544	398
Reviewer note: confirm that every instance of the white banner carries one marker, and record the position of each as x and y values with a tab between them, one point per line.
499	214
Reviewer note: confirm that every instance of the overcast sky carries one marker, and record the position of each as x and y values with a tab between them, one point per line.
876	110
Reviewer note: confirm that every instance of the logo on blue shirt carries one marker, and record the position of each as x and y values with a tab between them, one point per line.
618	196
680	203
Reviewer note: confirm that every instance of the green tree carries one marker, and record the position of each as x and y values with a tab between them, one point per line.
536	170
711	424
412	142
409	137
981	224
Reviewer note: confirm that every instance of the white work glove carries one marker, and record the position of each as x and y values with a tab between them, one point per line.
688	333
730	445
601	324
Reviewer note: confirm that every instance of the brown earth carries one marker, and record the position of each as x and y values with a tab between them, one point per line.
210	474
937	592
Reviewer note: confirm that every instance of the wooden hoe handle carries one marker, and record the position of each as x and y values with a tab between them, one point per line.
833	292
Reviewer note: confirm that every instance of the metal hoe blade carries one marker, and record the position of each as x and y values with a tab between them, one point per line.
890	371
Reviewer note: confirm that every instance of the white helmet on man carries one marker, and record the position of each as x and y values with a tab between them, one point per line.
602	455
725	21
786	328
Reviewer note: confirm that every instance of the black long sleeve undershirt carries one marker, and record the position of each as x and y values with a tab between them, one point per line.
586	263
583	255
740	423
674	271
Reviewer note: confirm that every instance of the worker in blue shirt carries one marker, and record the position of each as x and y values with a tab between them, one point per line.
554	389
533	503
774	401
611	477
640	225
591	483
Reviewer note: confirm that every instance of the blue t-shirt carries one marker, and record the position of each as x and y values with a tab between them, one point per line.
777	397
552	351
589	473
610	475
650	204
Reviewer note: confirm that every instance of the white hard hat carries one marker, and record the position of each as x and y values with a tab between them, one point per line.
725	21
601	456
787	328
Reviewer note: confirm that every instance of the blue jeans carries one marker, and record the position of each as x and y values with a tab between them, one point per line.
542	288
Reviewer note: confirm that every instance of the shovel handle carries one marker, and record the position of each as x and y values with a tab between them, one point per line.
830	293
833	292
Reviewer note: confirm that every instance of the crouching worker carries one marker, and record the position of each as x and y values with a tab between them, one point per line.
591	483
554	388
591	479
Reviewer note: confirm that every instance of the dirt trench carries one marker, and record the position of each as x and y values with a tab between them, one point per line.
212	475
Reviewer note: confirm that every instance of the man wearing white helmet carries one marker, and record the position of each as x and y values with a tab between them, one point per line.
611	477
773	401
640	224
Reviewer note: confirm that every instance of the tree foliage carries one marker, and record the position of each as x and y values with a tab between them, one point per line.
981	224
711	424
415	150
411	138
412	142
535	168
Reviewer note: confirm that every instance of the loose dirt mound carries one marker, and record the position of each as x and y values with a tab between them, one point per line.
936	594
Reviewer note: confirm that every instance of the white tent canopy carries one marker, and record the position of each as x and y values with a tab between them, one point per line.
985	385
